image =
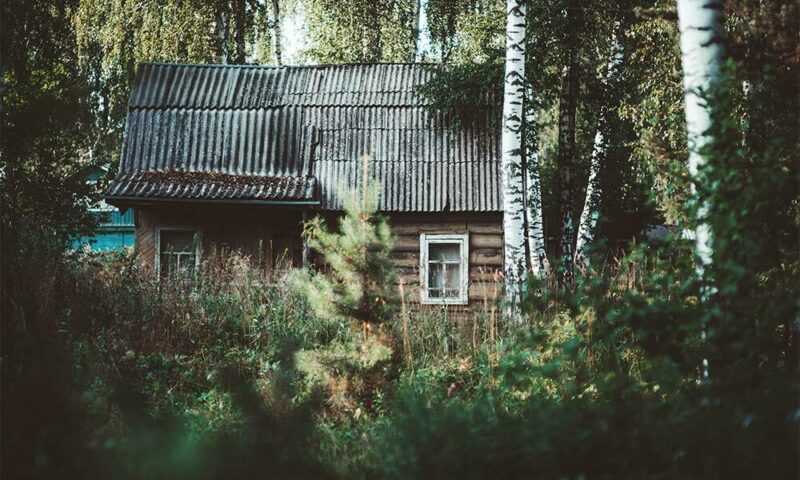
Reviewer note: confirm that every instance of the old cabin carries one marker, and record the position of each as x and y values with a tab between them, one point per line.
238	156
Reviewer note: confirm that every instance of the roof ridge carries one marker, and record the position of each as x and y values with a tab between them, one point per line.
277	67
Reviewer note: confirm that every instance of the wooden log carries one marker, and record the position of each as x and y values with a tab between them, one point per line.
485	290
485	227
485	240
488	275
485	257
438	227
411	279
405	259
406	243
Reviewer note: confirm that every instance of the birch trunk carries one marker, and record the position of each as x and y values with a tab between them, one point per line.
533	205
222	33
276	31
422	37
594	193
416	29
699	22
566	148
513	193
239	33
700	27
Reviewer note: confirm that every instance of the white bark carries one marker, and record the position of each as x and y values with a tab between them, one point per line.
533	205
700	27
566	159
222	26
277	38
594	193
422	33
513	192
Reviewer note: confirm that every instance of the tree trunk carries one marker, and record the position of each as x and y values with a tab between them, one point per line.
276	31
699	22
594	193
701	55
239	33
415	29
222	33
422	37
535	226
513	193
566	147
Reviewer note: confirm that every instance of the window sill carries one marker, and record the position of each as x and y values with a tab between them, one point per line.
445	301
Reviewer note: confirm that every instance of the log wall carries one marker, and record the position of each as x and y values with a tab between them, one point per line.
270	235
274	234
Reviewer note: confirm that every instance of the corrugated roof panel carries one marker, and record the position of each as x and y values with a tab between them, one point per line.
260	121
232	86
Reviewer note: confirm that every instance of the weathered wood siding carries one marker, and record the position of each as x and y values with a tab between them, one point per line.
275	234
267	234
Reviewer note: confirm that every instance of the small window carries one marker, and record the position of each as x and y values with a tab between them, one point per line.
444	269
178	251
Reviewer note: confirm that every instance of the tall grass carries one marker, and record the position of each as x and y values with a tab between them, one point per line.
194	376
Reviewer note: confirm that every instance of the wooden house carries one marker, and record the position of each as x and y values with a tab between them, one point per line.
237	156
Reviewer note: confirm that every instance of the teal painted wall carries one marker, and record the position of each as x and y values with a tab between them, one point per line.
115	233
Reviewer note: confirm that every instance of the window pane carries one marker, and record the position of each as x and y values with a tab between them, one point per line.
177	241
452	280
435	279
177	251
169	264
450	252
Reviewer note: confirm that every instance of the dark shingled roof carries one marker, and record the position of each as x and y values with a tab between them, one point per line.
220	133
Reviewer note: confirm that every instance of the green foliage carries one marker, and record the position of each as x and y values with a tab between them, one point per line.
112	39
606	387
45	125
467	31
358	283
455	88
750	185
349	375
176	380
355	31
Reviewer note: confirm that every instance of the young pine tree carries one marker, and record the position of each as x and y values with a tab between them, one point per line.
356	284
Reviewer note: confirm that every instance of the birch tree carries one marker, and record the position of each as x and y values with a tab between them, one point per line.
276	31
512	175
222	26
533	201
566	142
421	32
699	22
594	193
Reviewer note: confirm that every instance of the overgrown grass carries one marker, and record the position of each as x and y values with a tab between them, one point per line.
197	377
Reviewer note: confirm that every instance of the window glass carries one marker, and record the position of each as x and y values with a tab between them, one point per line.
452	280
444	270
445	252
177	241
177	251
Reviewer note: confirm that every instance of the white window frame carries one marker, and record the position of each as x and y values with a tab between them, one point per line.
425	239
198	248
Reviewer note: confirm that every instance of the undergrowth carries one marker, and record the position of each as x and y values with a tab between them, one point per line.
198	377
